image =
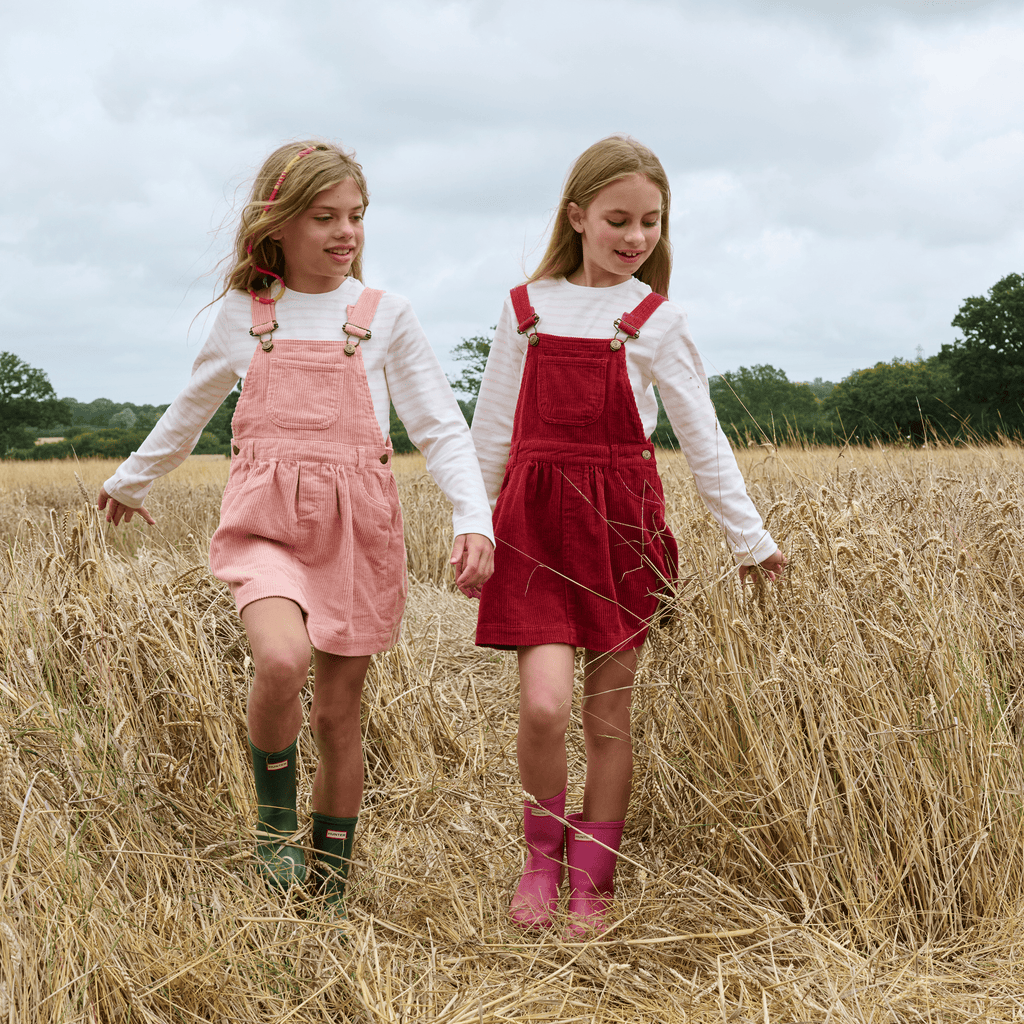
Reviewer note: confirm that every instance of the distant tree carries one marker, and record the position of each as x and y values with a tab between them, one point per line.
27	398
19	437
145	415
473	353
399	435
123	420
760	401
220	424
468	408
663	436
97	413
210	444
987	364
821	388
892	401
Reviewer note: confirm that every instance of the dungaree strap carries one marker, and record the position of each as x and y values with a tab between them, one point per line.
263	317
361	315
526	315
630	323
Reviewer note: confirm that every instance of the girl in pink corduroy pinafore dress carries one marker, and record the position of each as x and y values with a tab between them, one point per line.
310	537
562	429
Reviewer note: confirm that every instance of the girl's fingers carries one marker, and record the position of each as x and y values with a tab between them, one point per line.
771	568
475	557
116	512
458	549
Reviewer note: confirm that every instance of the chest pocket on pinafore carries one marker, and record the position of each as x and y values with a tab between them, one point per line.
570	389
303	394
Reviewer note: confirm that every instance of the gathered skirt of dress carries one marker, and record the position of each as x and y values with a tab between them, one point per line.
323	532
583	551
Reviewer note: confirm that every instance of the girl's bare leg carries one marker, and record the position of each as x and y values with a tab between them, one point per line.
280	653
545	701
334	720
607	695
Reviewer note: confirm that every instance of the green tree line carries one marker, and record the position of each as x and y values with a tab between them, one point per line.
101	428
973	388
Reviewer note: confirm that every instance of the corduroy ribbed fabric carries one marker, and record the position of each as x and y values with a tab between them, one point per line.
310	511
401	369
583	551
663	355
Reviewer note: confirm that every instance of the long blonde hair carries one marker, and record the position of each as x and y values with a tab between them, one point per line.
605	162
324	166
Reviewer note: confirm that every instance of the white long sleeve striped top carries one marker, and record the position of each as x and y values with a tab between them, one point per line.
400	366
665	355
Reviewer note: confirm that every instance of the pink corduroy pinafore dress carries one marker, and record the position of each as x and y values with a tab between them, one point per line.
310	512
583	552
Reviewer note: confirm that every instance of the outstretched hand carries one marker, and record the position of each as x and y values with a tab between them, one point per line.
473	558
116	511
771	567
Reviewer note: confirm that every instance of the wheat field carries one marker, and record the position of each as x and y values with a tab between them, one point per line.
828	801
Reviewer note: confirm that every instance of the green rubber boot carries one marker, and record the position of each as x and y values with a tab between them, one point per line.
281	864
332	840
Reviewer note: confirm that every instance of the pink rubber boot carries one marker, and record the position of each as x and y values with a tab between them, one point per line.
537	894
591	868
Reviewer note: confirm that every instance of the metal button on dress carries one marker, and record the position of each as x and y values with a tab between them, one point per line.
235	449
646	454
615	345
384	458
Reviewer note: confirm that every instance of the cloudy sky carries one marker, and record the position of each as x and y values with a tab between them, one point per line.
844	173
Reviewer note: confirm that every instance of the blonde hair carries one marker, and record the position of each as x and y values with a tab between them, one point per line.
324	166
603	163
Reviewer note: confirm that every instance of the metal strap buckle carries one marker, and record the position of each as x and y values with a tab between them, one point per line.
619	327
359	332
525	326
252	330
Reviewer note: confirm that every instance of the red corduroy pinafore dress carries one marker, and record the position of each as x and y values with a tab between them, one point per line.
310	511
582	546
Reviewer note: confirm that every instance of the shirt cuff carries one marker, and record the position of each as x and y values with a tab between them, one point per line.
764	548
473	524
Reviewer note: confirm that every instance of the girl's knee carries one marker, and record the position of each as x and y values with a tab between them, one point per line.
544	715
283	670
334	727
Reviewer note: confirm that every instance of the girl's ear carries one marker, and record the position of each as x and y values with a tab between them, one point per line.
575	215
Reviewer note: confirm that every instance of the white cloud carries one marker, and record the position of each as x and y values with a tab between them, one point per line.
843	174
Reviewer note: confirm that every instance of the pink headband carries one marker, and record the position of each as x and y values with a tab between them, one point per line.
270	202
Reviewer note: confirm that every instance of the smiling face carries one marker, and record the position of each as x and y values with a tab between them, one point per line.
321	243
619	231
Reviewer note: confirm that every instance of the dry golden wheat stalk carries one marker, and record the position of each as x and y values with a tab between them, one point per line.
826	818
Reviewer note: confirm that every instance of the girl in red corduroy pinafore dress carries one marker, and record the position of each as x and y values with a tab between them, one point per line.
562	428
310	536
